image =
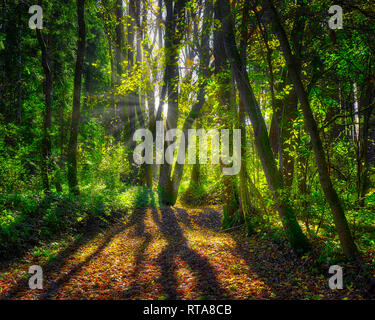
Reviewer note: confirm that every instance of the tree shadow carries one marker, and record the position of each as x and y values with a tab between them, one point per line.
207	283
285	273
58	262
55	285
139	232
182	216
206	218
144	197
210	219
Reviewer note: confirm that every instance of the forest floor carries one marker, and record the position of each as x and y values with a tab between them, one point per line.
171	253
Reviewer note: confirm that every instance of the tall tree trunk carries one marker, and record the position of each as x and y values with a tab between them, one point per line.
119	49
131	98
139	37
333	200
285	109
293	230
195	111
46	141
3	58
364	141
62	140
287	141
76	112
246	198
172	40
245	195
226	96
151	126
20	66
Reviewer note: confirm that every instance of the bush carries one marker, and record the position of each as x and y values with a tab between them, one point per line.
200	194
28	220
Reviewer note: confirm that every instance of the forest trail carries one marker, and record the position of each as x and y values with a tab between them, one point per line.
171	253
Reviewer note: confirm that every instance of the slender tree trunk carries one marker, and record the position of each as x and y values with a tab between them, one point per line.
293	230
172	41
131	99
73	138
364	143
139	36
246	197
196	109
287	140
20	67
188	124
226	96
119	57
62	140
333	200
284	110
3	59
245	194
46	141
162	88
151	126
47	163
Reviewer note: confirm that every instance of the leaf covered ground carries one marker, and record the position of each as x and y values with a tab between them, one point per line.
172	253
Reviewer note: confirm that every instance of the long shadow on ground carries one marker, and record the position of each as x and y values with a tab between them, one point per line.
276	265
271	262
62	259
139	232
207	283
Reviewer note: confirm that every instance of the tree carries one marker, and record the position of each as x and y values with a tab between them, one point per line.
294	233
341	223
173	35
76	112
47	162
195	112
46	141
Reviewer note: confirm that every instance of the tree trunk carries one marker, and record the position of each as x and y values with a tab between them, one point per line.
119	50
284	110
76	112
333	200
172	41
20	67
293	230
46	141
364	143
3	56
196	109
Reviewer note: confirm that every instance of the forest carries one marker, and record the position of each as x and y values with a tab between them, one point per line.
187	149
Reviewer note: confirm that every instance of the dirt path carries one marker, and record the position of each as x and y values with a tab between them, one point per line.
171	254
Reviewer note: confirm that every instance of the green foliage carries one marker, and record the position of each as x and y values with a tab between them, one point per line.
28	220
208	191
195	195
105	173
